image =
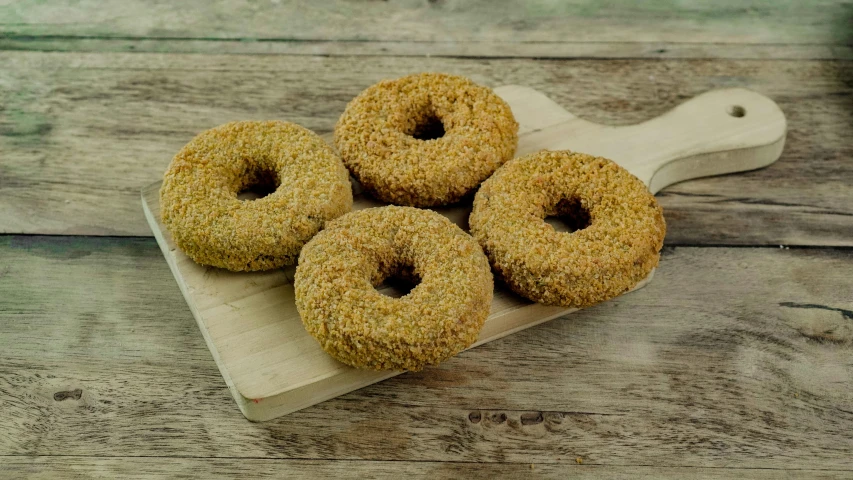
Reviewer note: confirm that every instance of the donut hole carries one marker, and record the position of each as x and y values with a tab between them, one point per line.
258	184
568	215
427	127
399	281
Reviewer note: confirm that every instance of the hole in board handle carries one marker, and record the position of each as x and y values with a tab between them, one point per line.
736	111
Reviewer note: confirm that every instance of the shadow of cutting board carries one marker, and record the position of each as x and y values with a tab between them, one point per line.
274	367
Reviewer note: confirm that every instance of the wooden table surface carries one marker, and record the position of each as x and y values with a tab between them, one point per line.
736	362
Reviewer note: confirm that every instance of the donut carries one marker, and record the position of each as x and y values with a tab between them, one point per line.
425	140
441	316
200	207
618	248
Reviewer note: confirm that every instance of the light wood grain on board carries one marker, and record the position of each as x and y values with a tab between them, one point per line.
81	132
658	28
754	375
131	467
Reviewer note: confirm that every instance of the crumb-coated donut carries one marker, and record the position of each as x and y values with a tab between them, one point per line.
383	138
619	247
441	316
200	207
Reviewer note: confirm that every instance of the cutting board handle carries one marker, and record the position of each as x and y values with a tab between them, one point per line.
717	132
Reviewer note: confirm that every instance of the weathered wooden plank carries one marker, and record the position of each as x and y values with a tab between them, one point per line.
437	27
731	356
158	467
80	134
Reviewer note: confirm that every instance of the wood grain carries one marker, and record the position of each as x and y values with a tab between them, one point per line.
102	370
132	467
754	375
81	133
688	28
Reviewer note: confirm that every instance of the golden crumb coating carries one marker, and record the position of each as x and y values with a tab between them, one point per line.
376	137
199	204
619	248
360	326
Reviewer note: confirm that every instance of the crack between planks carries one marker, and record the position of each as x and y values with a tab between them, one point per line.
661	48
538	58
848	314
28	37
569	461
533	410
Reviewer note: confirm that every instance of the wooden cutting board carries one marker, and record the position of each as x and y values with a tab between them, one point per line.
274	367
